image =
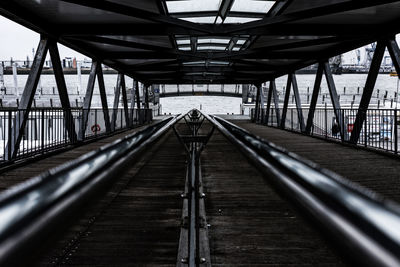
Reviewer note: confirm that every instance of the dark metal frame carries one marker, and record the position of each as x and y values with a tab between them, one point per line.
120	88
292	81
277	22
334	97
368	89
272	87
314	98
96	70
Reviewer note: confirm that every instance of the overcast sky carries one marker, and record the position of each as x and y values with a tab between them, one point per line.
17	42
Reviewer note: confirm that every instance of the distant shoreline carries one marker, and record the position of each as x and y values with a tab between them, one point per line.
68	71
71	71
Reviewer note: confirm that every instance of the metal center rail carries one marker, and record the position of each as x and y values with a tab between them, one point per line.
362	225
40	206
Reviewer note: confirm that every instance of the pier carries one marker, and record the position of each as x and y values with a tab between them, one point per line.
304	174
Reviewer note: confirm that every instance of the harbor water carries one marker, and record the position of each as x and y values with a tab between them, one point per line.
349	87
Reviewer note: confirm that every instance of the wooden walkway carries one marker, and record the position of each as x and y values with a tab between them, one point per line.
137	223
11	177
375	171
250	223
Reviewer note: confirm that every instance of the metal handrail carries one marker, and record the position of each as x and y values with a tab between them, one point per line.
362	224
35	208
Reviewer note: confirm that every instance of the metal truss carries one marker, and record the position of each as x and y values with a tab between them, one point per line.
257	61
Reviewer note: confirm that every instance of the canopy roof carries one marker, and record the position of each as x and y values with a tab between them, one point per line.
208	41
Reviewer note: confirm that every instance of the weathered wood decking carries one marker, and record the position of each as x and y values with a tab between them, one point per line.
137	223
250	223
11	177
375	171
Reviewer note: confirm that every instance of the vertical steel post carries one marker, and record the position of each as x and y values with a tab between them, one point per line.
366	131
286	101
62	90
268	103
103	97
88	100
368	89
10	136
298	103
42	130
133	99
257	107
137	94
262	104
27	97
326	121
314	98
146	96
395	131
245	91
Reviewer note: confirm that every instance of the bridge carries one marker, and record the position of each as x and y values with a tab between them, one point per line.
121	185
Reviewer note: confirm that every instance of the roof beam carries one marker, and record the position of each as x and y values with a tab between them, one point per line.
232	43
138	13
124	43
216	13
211	55
205	68
290	45
225	8
278	30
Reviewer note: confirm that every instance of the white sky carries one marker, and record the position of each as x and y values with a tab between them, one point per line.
17	42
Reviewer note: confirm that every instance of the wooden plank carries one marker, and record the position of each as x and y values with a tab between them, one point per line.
372	170
12	177
249	223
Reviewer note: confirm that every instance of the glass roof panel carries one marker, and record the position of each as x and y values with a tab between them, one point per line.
211	48
185	48
252	6
200	19
192	6
213	41
203	73
236	48
239	20
219	62
183	41
240	42
194	63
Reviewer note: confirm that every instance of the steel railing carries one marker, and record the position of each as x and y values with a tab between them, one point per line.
38	208
363	226
47	128
379	130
